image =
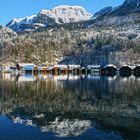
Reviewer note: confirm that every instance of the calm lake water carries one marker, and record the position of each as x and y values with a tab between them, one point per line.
69	107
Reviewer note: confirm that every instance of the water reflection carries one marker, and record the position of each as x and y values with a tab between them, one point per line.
67	127
71	105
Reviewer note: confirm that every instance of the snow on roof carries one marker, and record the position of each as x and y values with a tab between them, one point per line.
61	66
93	66
40	67
74	66
26	64
50	67
110	65
131	67
83	68
28	67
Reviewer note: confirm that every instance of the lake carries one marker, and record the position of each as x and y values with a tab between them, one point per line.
69	107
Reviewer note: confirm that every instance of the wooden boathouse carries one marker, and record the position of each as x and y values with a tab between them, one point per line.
93	69
125	70
136	70
109	69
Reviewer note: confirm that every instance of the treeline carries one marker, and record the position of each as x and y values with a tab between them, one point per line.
94	45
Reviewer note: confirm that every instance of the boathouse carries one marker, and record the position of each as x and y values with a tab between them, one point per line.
55	69
136	70
125	70
30	68
63	68
93	68
9	69
20	66
83	70
109	69
74	68
43	69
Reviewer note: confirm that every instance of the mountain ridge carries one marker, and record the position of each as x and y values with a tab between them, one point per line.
58	15
112	37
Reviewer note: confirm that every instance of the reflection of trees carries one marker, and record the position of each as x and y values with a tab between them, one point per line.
117	96
84	98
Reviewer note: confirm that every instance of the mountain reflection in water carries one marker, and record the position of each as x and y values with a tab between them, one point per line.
74	105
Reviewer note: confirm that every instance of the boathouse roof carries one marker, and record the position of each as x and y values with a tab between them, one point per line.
110	65
93	66
61	66
25	64
131	67
74	66
28	67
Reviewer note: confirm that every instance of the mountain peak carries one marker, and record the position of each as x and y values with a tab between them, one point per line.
58	15
66	14
132	3
25	20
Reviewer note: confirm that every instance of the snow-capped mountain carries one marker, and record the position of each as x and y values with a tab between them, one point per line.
66	14
26	20
58	15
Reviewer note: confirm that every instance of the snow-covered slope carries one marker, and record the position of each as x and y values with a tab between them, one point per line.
6	33
26	20
58	15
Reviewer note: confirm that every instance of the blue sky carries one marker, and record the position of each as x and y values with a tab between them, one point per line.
10	9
